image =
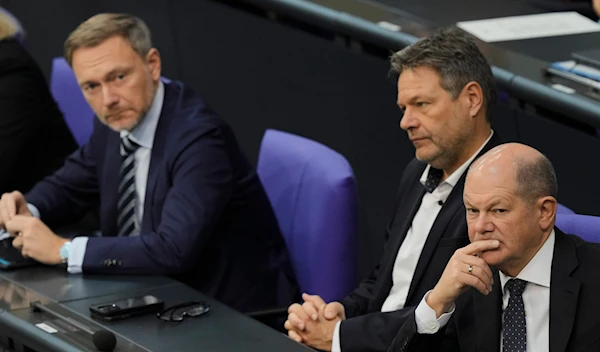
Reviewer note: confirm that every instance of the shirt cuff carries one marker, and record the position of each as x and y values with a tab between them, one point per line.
335	343
426	320
78	247
33	210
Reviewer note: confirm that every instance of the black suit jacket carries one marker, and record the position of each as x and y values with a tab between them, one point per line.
34	139
366	327
207	220
574	306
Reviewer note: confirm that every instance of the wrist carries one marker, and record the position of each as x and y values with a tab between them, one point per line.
439	305
64	252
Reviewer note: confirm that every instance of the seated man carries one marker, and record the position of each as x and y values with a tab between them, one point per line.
447	94
541	292
30	121
177	197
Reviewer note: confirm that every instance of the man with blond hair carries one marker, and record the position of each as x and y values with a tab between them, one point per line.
177	196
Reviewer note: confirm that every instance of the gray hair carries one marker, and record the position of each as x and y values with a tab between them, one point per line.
536	179
103	26
453	54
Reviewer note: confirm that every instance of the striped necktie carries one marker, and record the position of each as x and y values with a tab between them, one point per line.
127	222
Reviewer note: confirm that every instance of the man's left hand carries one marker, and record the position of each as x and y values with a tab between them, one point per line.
35	239
317	333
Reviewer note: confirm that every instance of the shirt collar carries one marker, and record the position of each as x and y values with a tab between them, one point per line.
455	176
143	133
539	268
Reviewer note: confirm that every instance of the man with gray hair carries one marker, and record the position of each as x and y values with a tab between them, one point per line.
521	285
446	94
176	194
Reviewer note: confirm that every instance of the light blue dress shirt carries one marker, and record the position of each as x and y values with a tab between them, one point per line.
143	134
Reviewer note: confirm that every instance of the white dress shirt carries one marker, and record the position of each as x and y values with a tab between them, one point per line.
410	250
536	299
143	134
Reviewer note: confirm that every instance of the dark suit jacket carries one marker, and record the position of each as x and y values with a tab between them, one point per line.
366	327
207	220
34	139
574	306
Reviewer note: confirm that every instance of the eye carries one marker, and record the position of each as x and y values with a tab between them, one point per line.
121	76
420	104
472	211
500	211
90	86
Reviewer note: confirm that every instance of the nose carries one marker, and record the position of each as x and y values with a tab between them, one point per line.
408	120
109	98
483	225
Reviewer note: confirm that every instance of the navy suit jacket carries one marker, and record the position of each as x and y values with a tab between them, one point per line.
366	327
207	220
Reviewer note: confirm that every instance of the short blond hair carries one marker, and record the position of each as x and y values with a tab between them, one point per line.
101	27
9	27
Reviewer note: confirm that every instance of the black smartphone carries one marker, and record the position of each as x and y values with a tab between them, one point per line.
126	308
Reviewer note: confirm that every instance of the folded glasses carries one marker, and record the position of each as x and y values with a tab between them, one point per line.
187	309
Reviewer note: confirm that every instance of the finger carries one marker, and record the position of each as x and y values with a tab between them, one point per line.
315	299
478	265
18	242
299	311
11	204
333	310
310	310
296	322
288	325
479	246
294	336
18	223
476	282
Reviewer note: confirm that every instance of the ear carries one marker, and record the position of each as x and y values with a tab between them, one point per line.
547	206
153	62
474	95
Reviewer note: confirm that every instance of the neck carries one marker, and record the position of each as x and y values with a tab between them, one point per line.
468	150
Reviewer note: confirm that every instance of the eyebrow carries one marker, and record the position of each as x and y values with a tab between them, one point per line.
414	99
109	75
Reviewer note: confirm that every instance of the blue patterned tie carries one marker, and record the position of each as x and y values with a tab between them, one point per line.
433	179
515	327
126	206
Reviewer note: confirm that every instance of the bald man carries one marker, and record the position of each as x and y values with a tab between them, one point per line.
521	285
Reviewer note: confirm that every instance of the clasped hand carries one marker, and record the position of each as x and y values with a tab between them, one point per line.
313	322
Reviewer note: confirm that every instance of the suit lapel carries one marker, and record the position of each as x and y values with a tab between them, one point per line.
488	316
402	221
157	153
110	184
564	292
453	204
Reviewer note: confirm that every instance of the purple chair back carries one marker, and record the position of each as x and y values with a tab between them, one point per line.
584	226
77	113
564	210
313	193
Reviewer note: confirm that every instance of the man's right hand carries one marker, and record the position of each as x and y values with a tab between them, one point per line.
12	204
457	277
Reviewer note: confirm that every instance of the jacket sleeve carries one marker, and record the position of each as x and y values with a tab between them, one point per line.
201	177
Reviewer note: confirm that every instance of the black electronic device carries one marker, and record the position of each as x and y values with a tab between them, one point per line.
126	308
